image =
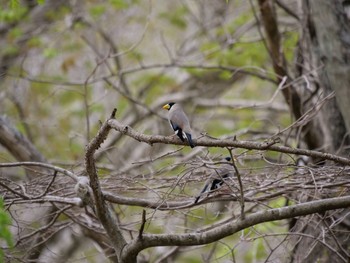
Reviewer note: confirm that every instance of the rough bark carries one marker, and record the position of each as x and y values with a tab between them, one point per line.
104	211
329	30
326	44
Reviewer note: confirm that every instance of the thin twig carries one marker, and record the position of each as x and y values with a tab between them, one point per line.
239	178
45	165
43	228
48	186
287	9
24	196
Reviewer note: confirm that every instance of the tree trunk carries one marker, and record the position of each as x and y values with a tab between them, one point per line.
329	30
326	36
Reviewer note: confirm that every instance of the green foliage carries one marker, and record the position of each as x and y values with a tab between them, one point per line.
158	82
279	202
10	50
12	12
14	4
195	72
257	251
240	21
67	98
34	42
97	10
210	49
238	55
244	54
5	233
241	53
14	33
218	128
225	75
135	56
290	40
39	90
50	52
176	17
119	4
53	15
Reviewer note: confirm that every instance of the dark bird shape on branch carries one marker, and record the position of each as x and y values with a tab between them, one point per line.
217	179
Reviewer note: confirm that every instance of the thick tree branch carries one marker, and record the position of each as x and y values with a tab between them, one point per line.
192	239
18	145
224	143
103	210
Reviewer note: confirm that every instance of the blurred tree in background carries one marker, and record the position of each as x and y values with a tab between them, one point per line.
263	81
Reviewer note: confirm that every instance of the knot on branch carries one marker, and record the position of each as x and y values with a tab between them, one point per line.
266	144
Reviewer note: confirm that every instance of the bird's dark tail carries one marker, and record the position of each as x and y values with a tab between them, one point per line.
189	139
203	191
197	198
179	133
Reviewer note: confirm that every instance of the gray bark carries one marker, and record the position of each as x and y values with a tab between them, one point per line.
329	30
326	43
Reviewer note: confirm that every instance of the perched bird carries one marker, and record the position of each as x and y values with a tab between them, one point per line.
217	179
179	122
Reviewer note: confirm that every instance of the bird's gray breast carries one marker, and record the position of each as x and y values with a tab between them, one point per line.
178	119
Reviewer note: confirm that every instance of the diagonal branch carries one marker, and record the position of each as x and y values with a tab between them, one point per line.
18	145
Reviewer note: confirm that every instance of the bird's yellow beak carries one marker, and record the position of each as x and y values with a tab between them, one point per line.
166	107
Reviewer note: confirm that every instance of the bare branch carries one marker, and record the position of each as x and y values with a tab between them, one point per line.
43	228
209	142
45	165
50	199
48	186
18	145
229	228
237	173
287	9
103	211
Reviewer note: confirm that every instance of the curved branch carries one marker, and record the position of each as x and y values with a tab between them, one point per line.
130	252
45	165
209	142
